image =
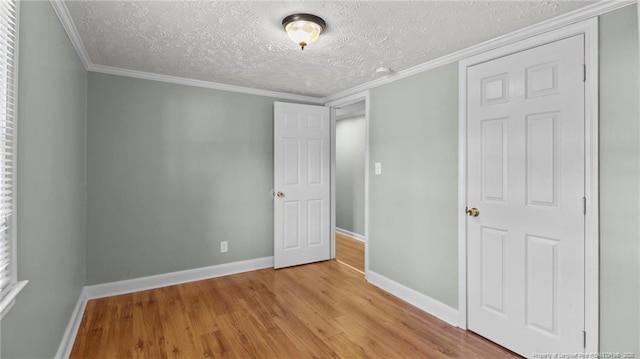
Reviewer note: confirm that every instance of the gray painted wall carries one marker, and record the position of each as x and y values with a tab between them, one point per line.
413	132
51	182
350	142
619	181
173	171
413	230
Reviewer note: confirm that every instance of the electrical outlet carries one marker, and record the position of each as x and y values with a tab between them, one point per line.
224	247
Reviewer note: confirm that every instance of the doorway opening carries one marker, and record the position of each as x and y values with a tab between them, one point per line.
350	151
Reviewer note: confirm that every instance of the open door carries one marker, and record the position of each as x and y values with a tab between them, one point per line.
302	184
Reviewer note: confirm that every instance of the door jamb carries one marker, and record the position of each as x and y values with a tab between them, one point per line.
361	96
590	30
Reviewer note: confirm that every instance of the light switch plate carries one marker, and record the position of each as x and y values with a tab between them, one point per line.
378	168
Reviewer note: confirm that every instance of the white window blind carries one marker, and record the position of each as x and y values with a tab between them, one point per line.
8	47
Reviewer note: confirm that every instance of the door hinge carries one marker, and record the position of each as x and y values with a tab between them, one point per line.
584	339
584	73
584	205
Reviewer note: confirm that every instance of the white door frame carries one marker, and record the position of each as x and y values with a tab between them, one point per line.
590	30
361	96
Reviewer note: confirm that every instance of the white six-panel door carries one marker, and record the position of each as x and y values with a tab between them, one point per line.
526	175
302	159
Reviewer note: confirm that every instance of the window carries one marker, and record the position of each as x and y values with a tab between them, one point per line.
9	287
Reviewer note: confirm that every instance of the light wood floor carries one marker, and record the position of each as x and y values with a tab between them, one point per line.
350	251
321	310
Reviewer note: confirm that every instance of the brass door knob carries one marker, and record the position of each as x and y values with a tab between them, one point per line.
280	194
473	212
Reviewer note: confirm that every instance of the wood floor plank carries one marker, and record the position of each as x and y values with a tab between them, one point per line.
350	251
147	331
320	310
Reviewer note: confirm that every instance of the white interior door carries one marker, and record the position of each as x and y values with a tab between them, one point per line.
526	175
302	159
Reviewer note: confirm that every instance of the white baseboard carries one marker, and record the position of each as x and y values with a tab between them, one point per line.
357	236
69	337
167	279
422	301
151	282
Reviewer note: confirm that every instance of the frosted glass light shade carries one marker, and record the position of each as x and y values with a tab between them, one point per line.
303	29
303	32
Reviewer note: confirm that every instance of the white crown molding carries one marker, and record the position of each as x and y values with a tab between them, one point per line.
69	26
544	26
61	10
420	300
569	18
199	83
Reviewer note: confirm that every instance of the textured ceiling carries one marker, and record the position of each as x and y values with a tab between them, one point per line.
242	43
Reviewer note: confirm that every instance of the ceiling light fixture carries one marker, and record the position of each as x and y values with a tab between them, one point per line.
303	29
